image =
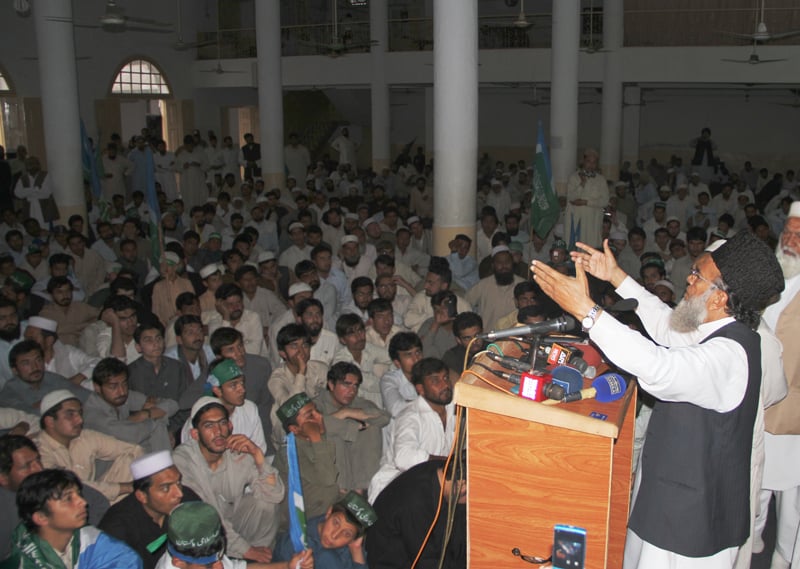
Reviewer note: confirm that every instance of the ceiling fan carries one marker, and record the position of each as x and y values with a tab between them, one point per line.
520	22
114	20
762	34
219	70
753	59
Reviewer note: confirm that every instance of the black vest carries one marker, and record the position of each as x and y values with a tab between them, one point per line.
694	498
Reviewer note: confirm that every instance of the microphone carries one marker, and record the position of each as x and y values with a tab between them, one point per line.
605	388
560	324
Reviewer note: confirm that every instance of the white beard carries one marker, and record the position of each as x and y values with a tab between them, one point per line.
690	313
789	262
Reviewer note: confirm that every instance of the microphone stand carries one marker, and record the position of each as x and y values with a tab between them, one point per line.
536	340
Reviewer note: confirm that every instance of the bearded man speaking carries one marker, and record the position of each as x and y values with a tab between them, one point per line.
691	506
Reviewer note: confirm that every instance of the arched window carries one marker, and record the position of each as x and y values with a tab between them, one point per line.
140	77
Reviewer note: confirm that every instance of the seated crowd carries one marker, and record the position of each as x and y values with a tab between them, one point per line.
161	393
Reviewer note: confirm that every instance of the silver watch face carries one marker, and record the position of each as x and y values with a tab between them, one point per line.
587	322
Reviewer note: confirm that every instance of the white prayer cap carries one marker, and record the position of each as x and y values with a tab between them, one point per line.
617	235
296	225
351	215
261	199
209	270
412	220
43	323
202	402
665	283
266	256
683	185
496	182
54	398
348	239
673	218
368	221
500	249
297	288
621	184
211	200
170	240
150	464
117	220
165	214
794	209
171	258
694	174
665	189
715	245
291	178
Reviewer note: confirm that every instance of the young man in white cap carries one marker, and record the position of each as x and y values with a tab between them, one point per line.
140	518
212	279
59	358
167	290
352	262
64	443
229	472
125	414
298	250
298	292
226	382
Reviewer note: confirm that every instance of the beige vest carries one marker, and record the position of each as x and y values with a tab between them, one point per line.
784	417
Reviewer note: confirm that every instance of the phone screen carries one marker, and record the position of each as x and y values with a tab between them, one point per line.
569	547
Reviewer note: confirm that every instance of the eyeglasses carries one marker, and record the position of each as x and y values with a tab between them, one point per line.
695	272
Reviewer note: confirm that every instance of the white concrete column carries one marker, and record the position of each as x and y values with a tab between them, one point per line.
611	109
58	79
564	91
270	93
631	116
455	100
379	33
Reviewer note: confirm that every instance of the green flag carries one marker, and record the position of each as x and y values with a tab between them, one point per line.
544	203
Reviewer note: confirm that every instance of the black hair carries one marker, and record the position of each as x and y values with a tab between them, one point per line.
289	334
531	311
347	324
426	367
378	305
59	259
58	282
226	256
9	444
696	234
106	369
307	303
120	302
242	271
466	320
13	233
39	488
402	342
340	370
636	231
149	324
304	267
223	337
185	299
184	320
228	290
21	348
122	283
321	248
441	267
360	282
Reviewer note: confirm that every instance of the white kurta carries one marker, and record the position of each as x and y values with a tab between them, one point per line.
192	167
165	173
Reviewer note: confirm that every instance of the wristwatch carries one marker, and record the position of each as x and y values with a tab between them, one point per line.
588	320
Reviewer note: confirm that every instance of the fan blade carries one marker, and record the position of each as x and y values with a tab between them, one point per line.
181	45
783	35
146	30
148	21
88	26
771	60
736	35
736	60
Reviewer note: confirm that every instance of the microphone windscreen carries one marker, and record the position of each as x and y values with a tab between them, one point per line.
610	387
567	377
570	323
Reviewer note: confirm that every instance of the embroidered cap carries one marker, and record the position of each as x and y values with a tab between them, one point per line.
291	407
359	508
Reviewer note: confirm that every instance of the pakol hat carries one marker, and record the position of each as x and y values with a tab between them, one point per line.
359	508
194	525
291	407
750	270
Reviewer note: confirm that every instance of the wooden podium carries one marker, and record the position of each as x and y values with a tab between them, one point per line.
531	466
